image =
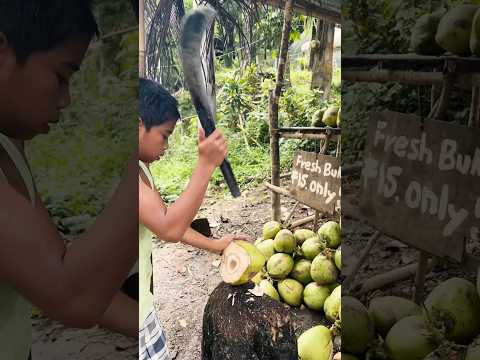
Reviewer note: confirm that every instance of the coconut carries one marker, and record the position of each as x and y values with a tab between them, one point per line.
323	270
312	247
454	29
333	304
303	234
301	271
475	36
473	351
241	261
258	241
285	242
270	229
409	339
290	291
315	344
330	116
314	296
338	258
280	265
330	232
422	40
266	248
269	289
258	277
317	118
385	311
455	304
357	327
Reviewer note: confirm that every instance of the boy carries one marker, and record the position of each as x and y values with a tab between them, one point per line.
42	44
158	117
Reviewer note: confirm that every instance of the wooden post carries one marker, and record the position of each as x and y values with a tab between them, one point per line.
273	108
141	39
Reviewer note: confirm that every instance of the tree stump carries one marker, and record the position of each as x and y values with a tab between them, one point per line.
238	325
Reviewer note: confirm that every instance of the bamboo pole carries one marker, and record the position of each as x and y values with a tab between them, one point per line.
273	108
141	39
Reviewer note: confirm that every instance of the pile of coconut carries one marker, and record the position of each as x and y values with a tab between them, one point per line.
299	269
445	326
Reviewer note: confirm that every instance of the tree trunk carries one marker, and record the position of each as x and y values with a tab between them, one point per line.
141	39
322	57
238	325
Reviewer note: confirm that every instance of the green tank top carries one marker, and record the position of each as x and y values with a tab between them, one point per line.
145	237
15	311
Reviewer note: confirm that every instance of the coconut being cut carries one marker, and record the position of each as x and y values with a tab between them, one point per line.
241	261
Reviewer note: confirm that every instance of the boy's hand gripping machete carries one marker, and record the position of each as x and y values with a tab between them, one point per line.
193	30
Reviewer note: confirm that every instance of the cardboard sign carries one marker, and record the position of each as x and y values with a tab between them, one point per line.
316	181
422	185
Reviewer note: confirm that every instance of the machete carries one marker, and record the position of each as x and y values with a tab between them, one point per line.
193	31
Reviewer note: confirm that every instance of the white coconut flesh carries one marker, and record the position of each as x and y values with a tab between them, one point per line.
235	262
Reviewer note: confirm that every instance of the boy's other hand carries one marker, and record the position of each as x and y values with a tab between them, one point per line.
223	242
212	149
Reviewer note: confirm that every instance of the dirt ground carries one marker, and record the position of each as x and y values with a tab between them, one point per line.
184	277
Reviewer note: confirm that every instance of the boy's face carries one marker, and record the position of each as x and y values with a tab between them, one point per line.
33	94
153	143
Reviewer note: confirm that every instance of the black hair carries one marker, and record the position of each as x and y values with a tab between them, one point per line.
41	25
157	106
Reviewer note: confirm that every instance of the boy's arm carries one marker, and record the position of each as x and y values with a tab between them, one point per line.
170	224
77	284
195	239
121	316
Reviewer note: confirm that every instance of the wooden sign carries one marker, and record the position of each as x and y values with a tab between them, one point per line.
316	181
421	185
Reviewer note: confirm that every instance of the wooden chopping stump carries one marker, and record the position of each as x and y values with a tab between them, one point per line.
238	325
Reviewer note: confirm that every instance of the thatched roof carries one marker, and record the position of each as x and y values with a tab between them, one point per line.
322	9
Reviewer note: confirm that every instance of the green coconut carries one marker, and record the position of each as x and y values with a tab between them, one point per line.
475	36
409	339
314	296
473	351
301	271
258	241
258	277
455	304
422	40
338	258
290	291
357	328
331	233
455	28
285	242
266	248
333	304
330	116
269	289
303	234
279	266
270	229
315	344
241	261
385	311
317	118
312	247
323	270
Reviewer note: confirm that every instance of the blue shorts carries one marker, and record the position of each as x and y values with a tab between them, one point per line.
152	343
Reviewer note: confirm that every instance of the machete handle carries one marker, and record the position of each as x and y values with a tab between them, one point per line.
209	127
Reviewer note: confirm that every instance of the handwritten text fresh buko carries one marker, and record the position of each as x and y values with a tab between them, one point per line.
430	178
316	180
